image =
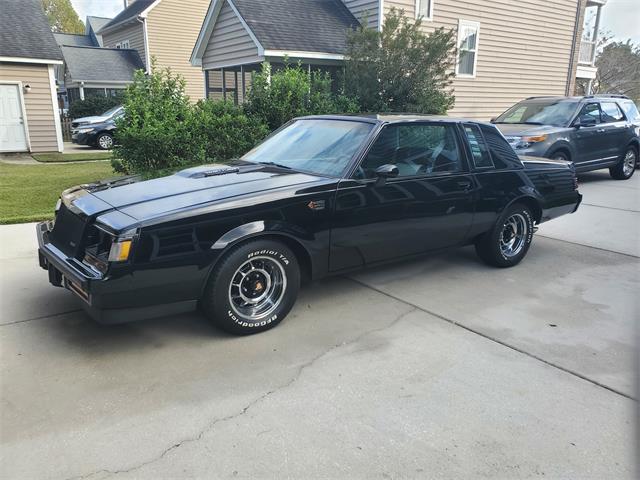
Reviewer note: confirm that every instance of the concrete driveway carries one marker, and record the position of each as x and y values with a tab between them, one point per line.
441	367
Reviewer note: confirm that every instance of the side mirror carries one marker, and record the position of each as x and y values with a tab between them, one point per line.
386	171
584	121
493	120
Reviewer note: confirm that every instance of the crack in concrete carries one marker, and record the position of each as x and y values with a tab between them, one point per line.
210	426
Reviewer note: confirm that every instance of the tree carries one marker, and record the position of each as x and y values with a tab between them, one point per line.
400	68
62	17
618	66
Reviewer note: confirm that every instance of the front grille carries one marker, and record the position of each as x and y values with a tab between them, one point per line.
67	232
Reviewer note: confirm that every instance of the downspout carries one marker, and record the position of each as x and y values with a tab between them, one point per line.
572	57
147	54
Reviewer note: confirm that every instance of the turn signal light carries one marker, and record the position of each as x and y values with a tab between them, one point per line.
534	139
120	251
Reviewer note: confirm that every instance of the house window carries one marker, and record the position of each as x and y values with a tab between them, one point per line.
424	9
123	44
468	37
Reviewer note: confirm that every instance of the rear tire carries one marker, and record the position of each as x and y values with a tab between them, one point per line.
253	287
624	169
507	243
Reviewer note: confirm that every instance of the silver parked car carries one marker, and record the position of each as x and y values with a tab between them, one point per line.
594	132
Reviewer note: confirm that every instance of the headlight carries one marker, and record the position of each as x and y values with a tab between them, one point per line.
86	130
526	142
120	250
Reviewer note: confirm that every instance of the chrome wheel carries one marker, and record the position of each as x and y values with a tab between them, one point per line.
513	237
257	288
105	142
629	162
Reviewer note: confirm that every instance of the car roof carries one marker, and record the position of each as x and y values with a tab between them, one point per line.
387	118
601	96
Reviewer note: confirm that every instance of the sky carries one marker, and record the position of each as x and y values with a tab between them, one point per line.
620	17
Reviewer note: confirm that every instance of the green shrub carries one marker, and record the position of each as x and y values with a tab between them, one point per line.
225	130
155	132
93	106
401	68
278	96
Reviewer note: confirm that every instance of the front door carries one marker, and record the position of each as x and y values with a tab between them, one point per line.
427	207
13	137
588	140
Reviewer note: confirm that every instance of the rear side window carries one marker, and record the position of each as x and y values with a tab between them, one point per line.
501	152
611	112
630	110
479	150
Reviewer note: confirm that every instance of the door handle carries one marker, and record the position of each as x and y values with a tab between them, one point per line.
601	130
464	184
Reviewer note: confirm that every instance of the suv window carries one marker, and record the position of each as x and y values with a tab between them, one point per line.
416	149
630	110
611	112
591	109
479	150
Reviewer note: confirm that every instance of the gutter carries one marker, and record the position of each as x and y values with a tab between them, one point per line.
574	47
145	33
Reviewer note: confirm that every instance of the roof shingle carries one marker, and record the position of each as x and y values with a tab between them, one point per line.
74	40
92	64
299	25
25	31
133	10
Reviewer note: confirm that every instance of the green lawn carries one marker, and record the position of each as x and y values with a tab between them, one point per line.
29	192
71	157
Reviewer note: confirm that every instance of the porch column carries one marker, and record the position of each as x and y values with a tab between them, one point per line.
82	91
594	37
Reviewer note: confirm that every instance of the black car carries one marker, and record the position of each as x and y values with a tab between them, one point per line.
322	195
594	132
98	131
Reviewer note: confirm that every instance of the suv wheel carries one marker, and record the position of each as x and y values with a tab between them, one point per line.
506	244
253	287
560	156
626	166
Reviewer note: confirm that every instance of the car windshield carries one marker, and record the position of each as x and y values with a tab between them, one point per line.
111	111
319	146
553	112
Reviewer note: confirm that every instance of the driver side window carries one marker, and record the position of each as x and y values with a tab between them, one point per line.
591	110
416	149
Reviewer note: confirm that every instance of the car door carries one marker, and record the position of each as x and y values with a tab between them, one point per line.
614	136
426	207
587	139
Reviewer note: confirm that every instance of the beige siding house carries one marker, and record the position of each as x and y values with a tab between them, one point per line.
507	50
29	120
165	30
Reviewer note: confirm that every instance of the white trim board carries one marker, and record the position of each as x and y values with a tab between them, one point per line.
54	104
30	60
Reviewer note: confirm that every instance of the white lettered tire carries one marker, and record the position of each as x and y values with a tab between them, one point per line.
253	287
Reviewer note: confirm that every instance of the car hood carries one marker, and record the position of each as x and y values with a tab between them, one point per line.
94	119
522	129
191	189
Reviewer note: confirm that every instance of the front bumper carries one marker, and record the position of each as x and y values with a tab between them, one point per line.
95	290
83	138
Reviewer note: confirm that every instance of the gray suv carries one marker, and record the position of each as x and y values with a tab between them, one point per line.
594	132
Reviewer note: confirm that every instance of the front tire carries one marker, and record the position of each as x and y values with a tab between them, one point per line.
624	169
104	141
507	243
253	287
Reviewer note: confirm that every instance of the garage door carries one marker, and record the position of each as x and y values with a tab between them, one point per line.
13	136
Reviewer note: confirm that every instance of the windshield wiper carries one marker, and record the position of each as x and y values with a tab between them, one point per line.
275	165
